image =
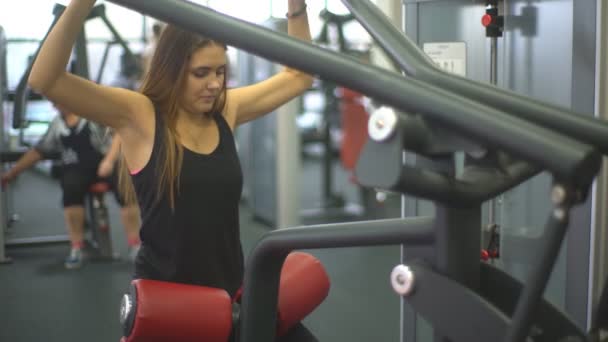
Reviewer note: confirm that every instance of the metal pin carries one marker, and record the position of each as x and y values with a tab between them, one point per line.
402	280
558	194
559	214
382	124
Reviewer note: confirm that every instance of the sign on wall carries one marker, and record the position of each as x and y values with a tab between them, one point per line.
449	56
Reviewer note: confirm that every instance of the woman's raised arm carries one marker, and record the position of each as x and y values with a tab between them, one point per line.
114	107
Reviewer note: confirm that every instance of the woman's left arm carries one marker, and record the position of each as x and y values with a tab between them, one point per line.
250	102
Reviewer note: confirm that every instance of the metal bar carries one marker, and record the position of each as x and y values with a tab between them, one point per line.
492	203
493	61
37	240
21	92
454	309
117	38
103	62
431	185
457	241
584	69
487	185
480	181
415	63
259	305
409	317
82	55
480	185
502	290
599	234
555	152
328	151
3	145
538	276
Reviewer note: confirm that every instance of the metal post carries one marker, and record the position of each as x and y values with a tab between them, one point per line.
495	202
82	61
493	60
3	144
599	233
457	240
288	165
536	282
3	226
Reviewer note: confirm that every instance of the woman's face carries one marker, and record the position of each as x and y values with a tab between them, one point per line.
204	79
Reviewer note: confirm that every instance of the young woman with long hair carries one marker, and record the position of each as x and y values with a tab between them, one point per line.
177	142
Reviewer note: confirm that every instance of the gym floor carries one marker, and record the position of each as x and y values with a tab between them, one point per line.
42	301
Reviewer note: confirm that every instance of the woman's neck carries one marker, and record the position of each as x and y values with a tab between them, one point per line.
189	119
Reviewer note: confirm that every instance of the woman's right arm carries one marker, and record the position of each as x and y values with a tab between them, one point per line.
115	107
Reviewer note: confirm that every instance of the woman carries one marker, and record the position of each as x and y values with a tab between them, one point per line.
87	156
177	142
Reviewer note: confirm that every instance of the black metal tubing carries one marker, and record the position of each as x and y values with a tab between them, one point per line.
532	293
428	141
99	11
488	183
22	90
117	38
259	303
417	136
415	63
432	185
104	59
460	313
478	183
502	290
568	158
482	184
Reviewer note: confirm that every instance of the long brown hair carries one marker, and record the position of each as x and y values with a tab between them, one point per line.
163	85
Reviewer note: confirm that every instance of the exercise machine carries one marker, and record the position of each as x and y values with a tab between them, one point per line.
97	224
478	301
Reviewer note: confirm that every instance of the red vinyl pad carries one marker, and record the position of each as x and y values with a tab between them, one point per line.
180	313
99	188
354	119
304	285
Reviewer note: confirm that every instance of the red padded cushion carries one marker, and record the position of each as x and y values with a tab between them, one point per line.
99	187
354	127
304	285
180	313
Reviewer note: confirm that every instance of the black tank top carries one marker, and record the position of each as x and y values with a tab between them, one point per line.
198	243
